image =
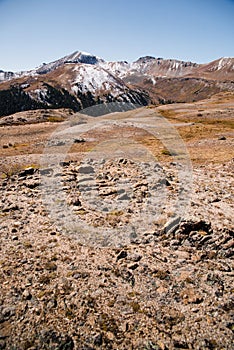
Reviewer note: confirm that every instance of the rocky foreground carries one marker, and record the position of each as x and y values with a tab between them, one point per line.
170	287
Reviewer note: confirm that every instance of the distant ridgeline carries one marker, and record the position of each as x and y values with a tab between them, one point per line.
81	80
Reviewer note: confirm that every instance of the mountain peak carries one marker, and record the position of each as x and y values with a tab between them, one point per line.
145	59
75	57
82	57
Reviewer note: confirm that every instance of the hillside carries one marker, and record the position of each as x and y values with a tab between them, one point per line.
81	80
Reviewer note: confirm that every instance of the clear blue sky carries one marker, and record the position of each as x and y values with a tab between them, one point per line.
37	31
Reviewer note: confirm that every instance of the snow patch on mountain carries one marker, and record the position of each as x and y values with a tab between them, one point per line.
225	61
120	69
8	75
93	78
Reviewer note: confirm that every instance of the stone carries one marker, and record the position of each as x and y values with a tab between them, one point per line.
75	201
135	257
26	295
172	225
27	171
86	169
46	171
11	207
123	254
124	197
98	340
32	184
79	140
133	266
8	312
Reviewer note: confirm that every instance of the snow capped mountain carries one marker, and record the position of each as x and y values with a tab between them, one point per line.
84	79
150	66
80	80
147	65
75	57
159	67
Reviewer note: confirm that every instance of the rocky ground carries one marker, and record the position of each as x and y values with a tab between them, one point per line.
167	285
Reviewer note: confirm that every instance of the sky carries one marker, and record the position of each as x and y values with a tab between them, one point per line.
36	31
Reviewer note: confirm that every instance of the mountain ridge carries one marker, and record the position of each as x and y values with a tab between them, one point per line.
81	80
87	58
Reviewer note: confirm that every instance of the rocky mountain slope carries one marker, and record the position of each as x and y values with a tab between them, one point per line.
81	80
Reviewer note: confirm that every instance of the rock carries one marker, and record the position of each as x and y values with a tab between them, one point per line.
7	312
88	180
88	169
122	161
27	171
164	182
123	254
17	223
2	344
32	184
124	197
65	163
59	282
186	227
222	138
80	140
133	266
98	339
135	257
172	225
50	266
75	201
26	295
191	296
11	207
46	171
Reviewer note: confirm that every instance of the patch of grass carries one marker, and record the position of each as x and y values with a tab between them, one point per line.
167	113
116	213
8	170
81	212
166	152
55	119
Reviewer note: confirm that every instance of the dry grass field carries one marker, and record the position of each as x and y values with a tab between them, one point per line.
206	127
